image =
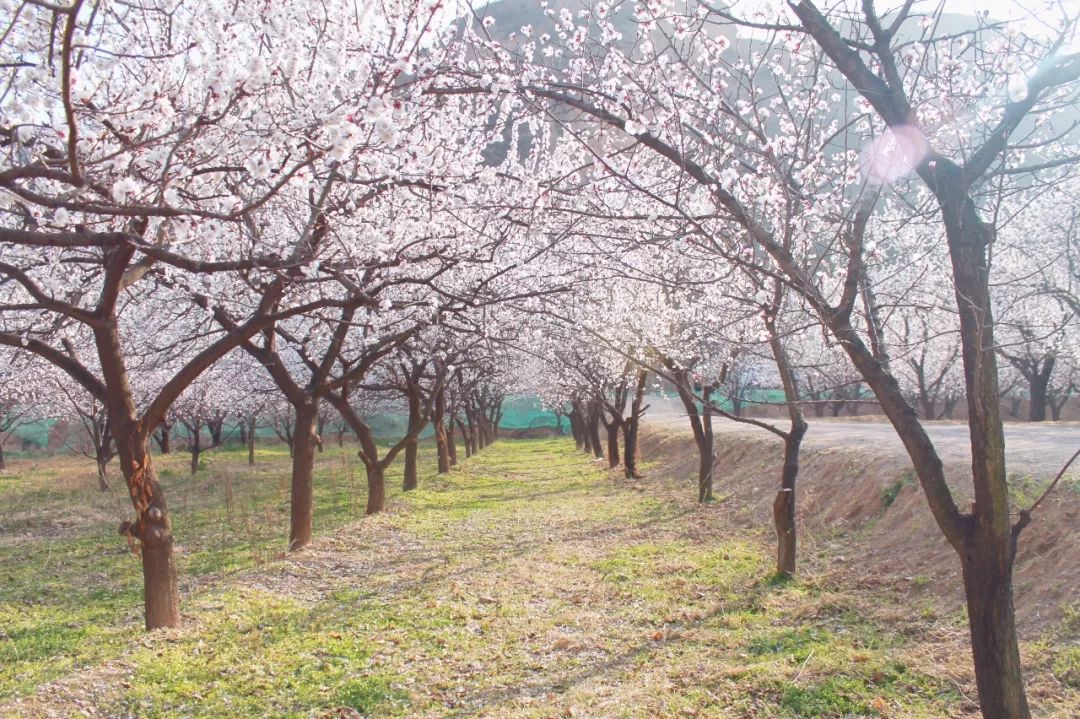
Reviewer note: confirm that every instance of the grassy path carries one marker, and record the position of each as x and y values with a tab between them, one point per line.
532	584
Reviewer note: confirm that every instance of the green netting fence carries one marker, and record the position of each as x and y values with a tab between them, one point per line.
34	434
520	412
749	399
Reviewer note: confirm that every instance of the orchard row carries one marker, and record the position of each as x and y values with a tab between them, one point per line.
216	210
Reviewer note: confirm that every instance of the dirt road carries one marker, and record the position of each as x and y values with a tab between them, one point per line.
1039	449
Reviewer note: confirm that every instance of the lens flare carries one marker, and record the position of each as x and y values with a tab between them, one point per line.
893	155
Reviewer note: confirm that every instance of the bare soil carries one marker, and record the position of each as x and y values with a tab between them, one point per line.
868	507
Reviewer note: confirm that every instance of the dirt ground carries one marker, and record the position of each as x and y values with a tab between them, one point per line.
1033	448
534	583
865	502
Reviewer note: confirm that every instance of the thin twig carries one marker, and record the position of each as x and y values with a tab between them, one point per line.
1057	479
803	666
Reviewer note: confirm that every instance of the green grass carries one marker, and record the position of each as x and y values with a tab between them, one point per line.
530	582
1067	666
260	655
1025	489
70	596
891	492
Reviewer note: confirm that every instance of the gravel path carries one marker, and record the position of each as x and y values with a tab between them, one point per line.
1040	449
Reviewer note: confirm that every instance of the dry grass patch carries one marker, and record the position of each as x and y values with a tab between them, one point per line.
533	583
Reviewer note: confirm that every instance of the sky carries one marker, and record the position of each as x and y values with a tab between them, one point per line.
1036	16
1029	10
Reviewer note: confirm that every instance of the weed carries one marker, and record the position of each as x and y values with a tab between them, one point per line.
1070	620
892	491
836	697
1067	666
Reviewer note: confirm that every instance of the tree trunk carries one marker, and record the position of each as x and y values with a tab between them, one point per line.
376	500
102	474
474	439
575	428
152	528
243	432
451	443
988	587
594	432
985	538
474	430
195	430
251	441
927	404
476	425
303	475
369	454
164	437
613	444
1056	405
410	481
630	448
988	582
1038	383
465	441
700	424
985	551
783	509
583	426
784	506
706	458
439	421
3	459
160	587
948	405
484	424
630	428
216	428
